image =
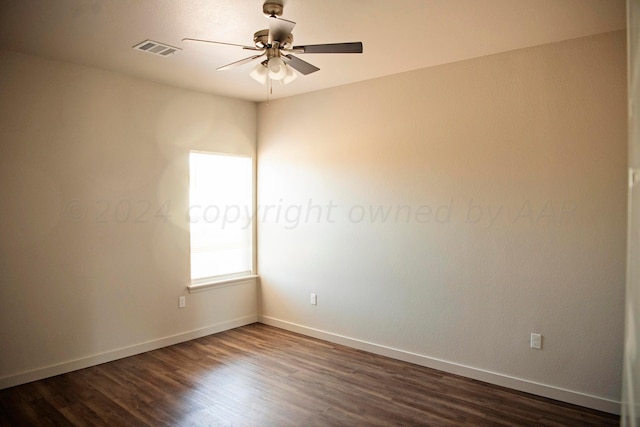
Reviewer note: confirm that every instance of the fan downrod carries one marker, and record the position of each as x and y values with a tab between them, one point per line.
273	8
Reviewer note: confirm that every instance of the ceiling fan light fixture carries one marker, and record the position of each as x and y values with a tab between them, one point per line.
260	74
277	68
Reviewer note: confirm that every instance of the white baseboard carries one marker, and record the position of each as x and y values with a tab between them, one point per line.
564	395
109	356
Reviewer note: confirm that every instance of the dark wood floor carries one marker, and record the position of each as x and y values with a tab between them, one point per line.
258	375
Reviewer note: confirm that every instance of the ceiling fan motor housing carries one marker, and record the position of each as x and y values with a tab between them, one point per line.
261	40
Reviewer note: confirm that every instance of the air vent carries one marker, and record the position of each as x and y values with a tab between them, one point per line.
156	48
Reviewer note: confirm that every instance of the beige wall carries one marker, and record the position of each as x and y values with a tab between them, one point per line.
91	162
631	371
505	180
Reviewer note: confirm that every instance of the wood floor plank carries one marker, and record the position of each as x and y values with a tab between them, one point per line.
259	375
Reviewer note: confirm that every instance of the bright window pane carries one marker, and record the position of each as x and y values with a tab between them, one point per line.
220	212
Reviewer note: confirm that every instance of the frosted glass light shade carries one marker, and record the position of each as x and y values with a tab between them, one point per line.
260	74
290	76
277	68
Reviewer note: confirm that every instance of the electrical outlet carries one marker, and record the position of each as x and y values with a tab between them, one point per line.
536	341
314	299
182	302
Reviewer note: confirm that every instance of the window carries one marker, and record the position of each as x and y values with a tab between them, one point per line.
221	216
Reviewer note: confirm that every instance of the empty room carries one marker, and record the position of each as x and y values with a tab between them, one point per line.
295	213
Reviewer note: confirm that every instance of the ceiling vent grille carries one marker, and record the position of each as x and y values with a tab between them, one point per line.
156	48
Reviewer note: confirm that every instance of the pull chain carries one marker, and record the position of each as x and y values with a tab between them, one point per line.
269	89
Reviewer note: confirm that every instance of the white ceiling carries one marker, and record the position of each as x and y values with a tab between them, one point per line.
398	35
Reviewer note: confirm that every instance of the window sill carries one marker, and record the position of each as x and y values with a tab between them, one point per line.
214	284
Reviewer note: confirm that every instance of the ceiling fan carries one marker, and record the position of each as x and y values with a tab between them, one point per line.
276	46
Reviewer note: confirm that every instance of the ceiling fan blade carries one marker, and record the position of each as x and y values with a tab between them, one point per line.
300	65
355	47
240	62
279	29
223	43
